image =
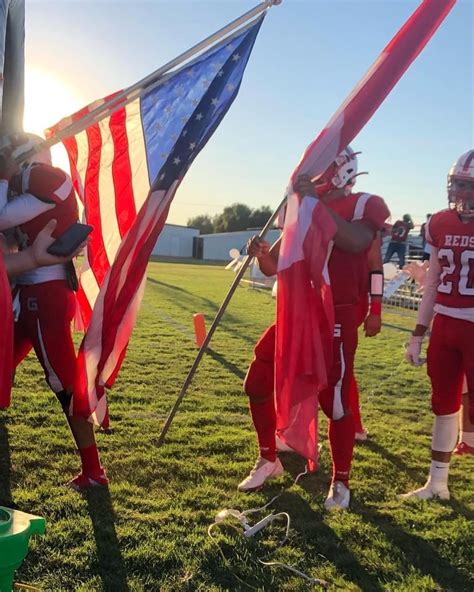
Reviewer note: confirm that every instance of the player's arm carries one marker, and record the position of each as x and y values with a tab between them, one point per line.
425	310
373	322
352	237
37	255
266	255
22	208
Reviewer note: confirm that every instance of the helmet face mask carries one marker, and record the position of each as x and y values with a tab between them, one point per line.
341	174
461	185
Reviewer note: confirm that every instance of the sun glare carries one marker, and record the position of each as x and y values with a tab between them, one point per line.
47	100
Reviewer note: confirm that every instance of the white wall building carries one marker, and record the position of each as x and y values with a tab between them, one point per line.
216	247
175	241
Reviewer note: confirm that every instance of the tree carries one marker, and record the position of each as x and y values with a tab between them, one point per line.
259	217
233	218
203	223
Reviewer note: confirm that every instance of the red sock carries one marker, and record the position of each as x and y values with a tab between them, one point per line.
90	460
341	439
355	405
264	420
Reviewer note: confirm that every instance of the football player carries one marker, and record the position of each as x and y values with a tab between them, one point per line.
41	193
449	296
358	217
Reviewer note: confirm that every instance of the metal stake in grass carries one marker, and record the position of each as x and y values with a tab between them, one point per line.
213	327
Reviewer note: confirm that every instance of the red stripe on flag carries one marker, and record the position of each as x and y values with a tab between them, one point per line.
72	152
96	252
133	254
122	173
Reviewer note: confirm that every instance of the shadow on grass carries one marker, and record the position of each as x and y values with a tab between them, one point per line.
237	370
319	538
5	467
189	301
111	566
398	461
417	552
415	475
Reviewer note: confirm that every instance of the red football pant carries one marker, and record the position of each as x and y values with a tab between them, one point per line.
259	386
450	357
355	404
362	311
335	400
44	324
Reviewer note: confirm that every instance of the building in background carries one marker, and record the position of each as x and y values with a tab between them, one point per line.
216	247
175	241
185	242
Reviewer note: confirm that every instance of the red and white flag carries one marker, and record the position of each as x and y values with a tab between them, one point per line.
304	323
294	423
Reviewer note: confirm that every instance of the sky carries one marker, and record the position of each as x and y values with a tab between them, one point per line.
307	58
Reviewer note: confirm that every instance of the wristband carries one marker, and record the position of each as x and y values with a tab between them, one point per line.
376	308
376	283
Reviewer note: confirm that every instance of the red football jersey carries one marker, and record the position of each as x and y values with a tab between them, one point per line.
349	272
454	240
51	185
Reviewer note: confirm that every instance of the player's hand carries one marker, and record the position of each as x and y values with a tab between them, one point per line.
304	186
39	248
257	247
413	350
372	325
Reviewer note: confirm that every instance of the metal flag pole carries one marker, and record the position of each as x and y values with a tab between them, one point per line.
132	92
213	327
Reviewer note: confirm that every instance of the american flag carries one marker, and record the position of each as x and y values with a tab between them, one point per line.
296	385
126	170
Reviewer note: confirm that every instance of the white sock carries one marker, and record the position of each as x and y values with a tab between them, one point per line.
439	474
467	438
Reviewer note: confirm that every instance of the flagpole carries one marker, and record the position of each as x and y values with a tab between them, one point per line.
213	327
133	91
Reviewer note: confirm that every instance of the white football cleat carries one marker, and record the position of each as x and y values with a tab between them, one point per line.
263	470
362	436
338	497
282	447
427	492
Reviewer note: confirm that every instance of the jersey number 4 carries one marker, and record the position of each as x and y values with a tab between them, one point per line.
456	270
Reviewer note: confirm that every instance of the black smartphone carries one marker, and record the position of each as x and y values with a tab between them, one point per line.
70	239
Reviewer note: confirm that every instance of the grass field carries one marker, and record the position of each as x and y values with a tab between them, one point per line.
149	531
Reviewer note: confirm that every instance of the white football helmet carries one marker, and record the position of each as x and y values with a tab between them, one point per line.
461	185
341	174
31	141
346	169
